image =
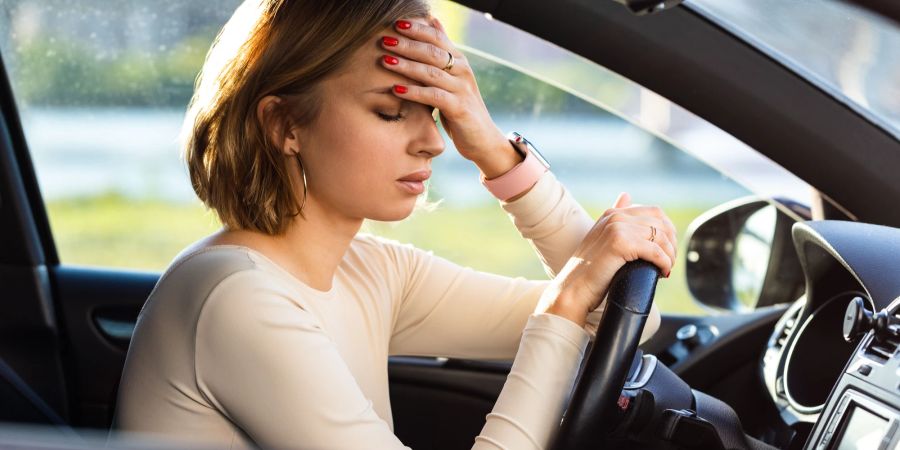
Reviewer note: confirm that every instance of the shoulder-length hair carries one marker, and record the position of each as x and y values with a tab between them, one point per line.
269	47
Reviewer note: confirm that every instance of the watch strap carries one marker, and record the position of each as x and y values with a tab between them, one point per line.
518	179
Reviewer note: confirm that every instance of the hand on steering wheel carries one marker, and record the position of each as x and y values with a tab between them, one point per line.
622	234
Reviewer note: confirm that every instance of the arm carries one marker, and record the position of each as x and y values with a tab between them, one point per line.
267	364
454	311
551	220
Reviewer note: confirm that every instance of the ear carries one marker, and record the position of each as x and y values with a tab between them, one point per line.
291	143
270	120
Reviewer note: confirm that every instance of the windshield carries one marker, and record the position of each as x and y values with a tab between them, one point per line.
846	50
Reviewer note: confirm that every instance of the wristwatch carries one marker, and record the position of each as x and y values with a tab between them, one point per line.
523	175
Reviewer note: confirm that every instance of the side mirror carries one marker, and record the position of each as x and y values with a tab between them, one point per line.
740	255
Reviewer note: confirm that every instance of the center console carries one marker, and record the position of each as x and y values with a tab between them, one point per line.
863	410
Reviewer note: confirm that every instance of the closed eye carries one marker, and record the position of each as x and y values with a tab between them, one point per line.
390	118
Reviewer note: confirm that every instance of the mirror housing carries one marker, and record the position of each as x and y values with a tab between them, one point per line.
716	256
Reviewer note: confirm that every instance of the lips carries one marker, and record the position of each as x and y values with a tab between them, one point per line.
421	175
414	183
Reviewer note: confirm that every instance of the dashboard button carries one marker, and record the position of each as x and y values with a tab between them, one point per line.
689	335
864	369
825	438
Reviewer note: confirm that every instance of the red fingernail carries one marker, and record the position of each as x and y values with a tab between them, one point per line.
403	25
400	89
669	273
391	60
389	41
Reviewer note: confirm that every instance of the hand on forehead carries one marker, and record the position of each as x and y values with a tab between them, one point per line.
374	53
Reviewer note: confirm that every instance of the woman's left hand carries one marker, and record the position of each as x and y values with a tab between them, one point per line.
422	52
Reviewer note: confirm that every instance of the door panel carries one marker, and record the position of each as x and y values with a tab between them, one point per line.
441	408
95	358
31	373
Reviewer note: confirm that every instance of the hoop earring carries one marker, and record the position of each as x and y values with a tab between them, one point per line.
303	173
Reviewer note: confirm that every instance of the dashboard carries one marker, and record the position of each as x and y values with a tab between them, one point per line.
844	395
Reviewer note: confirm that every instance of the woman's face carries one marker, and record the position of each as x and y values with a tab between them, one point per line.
365	140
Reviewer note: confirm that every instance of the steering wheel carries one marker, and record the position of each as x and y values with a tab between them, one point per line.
592	416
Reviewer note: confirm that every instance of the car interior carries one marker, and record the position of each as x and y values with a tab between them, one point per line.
811	365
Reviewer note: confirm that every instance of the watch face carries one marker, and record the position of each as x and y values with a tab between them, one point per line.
519	139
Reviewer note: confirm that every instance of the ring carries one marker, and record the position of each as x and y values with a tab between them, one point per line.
449	61
652	233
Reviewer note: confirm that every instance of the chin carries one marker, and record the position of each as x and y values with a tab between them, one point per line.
394	212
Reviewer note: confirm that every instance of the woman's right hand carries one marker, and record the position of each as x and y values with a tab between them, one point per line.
620	235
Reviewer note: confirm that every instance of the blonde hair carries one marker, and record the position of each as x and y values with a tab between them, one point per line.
269	47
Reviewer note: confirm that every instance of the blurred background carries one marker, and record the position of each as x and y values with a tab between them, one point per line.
102	88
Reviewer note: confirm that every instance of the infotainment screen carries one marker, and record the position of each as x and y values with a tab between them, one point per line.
861	430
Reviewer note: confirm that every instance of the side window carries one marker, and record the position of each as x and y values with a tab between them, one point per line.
603	134
102	89
593	152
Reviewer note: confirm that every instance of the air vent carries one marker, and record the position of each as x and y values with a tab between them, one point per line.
789	326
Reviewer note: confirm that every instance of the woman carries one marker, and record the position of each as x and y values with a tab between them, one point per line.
309	117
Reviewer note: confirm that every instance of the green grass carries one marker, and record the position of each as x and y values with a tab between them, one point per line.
117	232
142	234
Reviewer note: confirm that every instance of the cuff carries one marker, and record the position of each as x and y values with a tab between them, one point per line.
537	202
565	328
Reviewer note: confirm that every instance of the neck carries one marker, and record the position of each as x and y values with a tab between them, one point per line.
314	246
310	249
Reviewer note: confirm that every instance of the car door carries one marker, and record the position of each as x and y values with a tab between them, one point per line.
96	203
31	366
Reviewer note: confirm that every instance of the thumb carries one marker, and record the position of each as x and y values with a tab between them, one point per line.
623	200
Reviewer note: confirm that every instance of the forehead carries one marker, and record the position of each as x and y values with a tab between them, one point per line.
364	71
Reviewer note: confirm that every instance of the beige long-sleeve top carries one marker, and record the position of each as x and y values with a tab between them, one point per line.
232	349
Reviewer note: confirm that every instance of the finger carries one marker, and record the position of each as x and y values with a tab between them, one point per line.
437	24
645	228
436	97
630	242
419	51
666	224
623	200
425	33
667	246
631	215
424	73
652	252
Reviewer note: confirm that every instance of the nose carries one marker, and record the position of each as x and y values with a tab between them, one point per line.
428	143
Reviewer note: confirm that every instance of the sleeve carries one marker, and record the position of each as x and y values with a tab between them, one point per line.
453	311
551	220
456	312
537	391
267	364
